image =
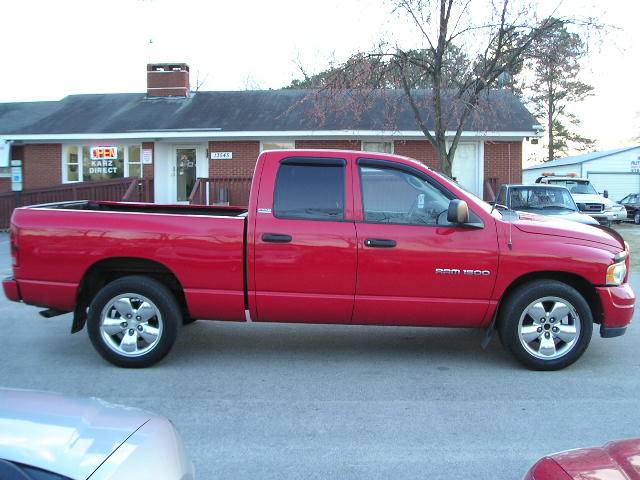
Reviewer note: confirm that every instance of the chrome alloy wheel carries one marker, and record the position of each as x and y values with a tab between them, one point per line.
131	324
549	328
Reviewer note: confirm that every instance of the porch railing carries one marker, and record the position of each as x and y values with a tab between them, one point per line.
140	190
221	191
121	189
491	188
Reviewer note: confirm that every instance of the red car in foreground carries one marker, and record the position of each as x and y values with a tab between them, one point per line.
615	461
338	237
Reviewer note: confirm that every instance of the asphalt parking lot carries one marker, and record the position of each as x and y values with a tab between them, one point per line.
333	402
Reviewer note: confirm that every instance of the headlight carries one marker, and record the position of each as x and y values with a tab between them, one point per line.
616	273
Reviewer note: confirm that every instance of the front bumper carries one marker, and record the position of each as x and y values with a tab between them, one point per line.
603	217
11	289
618	215
618	304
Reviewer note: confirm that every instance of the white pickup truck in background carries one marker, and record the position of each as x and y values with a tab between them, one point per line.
587	198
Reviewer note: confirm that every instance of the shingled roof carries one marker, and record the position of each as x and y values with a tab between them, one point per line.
237	111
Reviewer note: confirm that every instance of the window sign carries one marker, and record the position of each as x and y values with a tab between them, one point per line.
147	156
16	175
104	153
101	162
635	166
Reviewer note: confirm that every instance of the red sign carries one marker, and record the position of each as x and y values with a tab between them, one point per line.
104	153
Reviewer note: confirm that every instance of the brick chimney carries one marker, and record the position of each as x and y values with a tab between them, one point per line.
167	80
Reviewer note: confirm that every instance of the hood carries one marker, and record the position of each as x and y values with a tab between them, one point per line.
532	223
590	198
572	216
66	435
616	460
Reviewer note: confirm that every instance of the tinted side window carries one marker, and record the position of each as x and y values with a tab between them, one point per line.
309	191
395	196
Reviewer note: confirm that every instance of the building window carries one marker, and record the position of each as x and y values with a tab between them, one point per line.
72	164
133	167
84	163
380	147
277	145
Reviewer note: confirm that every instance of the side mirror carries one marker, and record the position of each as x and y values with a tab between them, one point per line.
605	194
581	206
458	211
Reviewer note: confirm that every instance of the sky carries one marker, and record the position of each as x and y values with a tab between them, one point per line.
51	49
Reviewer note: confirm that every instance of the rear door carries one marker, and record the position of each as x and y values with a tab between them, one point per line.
305	241
413	267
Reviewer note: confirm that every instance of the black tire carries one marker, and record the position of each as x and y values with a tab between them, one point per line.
169	320
636	218
520	300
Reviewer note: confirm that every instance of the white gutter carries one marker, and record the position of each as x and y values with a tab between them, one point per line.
248	135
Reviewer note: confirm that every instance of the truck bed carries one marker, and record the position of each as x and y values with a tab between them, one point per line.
202	246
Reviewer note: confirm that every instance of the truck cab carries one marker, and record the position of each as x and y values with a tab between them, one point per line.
589	201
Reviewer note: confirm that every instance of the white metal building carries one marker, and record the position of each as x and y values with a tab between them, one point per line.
617	171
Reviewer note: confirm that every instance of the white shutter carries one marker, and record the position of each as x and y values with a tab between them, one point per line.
618	184
5	149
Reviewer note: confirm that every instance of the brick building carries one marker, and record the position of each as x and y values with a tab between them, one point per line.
174	135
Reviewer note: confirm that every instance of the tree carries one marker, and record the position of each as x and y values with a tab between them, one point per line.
464	54
556	65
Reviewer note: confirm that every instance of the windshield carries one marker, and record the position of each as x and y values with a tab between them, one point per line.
488	208
540	198
576	186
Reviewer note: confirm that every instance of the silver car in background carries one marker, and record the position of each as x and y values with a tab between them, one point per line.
47	436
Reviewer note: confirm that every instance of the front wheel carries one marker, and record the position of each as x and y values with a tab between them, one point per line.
133	321
636	218
546	324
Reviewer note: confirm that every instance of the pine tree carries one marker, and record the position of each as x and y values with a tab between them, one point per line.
556	66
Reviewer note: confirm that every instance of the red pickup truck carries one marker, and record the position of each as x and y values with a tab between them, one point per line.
337	237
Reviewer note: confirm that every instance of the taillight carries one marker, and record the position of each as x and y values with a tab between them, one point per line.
14	245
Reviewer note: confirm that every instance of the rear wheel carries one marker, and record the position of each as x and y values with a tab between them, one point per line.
546	324
133	321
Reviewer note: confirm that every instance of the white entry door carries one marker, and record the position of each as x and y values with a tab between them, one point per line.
186	165
466	167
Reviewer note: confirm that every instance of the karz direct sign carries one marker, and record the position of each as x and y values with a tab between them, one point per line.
102	160
635	166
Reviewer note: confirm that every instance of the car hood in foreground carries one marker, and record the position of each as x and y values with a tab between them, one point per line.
532	223
615	461
66	435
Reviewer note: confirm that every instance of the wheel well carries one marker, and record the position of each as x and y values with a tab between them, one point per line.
584	287
106	271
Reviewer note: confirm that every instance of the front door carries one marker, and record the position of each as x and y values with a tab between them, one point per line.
466	168
185	168
414	268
